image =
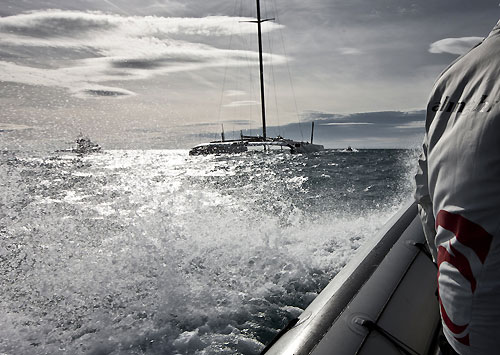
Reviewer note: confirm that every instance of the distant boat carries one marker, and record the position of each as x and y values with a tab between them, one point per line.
242	145
219	147
349	149
83	145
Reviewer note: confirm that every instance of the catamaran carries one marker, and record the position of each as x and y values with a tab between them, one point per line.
245	142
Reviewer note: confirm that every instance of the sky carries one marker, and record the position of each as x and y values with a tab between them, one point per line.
164	74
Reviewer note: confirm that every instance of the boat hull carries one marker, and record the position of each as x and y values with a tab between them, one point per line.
231	147
304	147
219	148
384	299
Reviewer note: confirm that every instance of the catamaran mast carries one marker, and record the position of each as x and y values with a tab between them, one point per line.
261	65
312	132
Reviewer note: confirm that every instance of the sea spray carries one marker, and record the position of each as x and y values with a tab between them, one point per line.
156	252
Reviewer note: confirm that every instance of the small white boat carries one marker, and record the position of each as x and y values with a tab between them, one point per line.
349	149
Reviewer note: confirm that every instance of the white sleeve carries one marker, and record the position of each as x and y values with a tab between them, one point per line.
424	201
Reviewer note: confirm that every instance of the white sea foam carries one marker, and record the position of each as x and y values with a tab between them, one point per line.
156	252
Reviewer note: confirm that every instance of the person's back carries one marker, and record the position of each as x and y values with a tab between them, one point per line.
458	189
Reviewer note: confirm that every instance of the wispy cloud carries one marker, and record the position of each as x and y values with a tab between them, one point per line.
411	125
218	124
7	127
232	93
62	24
68	78
365	129
456	46
239	122
117	48
242	103
350	51
346	123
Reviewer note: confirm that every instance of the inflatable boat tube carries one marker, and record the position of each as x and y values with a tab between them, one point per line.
382	302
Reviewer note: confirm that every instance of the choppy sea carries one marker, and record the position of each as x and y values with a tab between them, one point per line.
158	252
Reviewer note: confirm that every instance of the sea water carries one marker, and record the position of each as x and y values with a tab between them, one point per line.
158	252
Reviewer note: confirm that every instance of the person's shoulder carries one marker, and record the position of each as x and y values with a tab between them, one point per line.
460	59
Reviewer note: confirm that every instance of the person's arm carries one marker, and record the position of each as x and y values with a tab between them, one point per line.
424	201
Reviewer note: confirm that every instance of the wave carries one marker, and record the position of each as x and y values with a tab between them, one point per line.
154	252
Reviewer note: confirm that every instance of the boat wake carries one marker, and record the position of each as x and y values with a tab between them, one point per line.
133	252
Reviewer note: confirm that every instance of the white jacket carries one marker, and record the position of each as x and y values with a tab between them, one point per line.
458	191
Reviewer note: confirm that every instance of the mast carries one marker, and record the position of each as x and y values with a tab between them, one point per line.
261	65
312	132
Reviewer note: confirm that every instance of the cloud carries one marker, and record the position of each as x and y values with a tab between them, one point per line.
456	46
83	25
365	129
231	93
117	48
363	118
350	51
242	103
60	78
412	125
345	123
218	124
53	24
239	122
8	127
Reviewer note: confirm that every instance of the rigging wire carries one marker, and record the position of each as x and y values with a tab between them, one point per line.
238	11
271	65
250	62
249	87
225	67
288	69
118	7
254	78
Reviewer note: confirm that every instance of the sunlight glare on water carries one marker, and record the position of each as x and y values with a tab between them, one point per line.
157	252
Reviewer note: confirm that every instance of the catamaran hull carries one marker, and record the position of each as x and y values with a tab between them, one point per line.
219	148
306	148
383	302
80	151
